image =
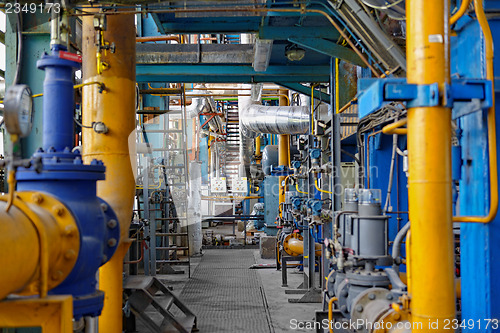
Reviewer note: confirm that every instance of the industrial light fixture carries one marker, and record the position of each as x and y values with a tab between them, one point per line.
294	53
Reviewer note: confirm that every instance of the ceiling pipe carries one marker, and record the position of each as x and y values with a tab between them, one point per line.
157	39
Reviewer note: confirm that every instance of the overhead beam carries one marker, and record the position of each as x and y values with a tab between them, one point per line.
244	24
161	29
194	53
329	48
284	33
232	70
305	90
211	25
230	74
230	79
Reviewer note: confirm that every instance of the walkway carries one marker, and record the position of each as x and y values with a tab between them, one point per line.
226	295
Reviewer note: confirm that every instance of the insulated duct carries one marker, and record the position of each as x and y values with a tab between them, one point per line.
246	137
198	104
203	105
276	119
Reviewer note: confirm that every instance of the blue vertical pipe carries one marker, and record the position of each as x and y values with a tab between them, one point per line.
73	183
58	100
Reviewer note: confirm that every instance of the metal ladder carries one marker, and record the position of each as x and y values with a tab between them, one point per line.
232	150
146	291
170	230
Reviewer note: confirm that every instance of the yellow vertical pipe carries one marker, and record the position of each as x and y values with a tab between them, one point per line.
116	109
257	148
430	201
283	147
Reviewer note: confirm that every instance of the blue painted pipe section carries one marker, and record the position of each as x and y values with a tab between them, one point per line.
75	187
65	176
58	101
456	162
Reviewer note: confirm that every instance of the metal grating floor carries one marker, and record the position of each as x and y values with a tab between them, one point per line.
227	296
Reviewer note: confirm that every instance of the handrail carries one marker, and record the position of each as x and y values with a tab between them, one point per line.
330	313
297	188
492	136
395	127
461	11
317	187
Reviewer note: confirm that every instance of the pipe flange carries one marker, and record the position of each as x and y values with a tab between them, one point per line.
62	229
394	317
342	293
361	277
286	246
370	306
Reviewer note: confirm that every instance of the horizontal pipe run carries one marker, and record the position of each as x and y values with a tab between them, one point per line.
275	119
157	39
163	91
297	246
39	248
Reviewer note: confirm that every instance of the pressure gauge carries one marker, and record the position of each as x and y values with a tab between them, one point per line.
18	110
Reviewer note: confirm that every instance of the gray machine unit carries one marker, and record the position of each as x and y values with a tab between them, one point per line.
361	248
369	238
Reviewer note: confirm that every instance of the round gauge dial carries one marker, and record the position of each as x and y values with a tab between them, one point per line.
18	110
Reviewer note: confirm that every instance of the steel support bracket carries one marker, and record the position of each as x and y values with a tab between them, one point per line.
53	313
375	93
467	90
281	170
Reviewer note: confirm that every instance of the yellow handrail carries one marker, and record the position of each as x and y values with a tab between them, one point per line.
151	187
461	11
317	187
330	313
395	128
74	87
297	188
492	136
11	181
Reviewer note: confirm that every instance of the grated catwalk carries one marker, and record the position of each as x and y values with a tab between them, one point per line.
226	295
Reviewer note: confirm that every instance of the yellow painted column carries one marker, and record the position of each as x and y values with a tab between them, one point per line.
283	147
429	145
116	109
